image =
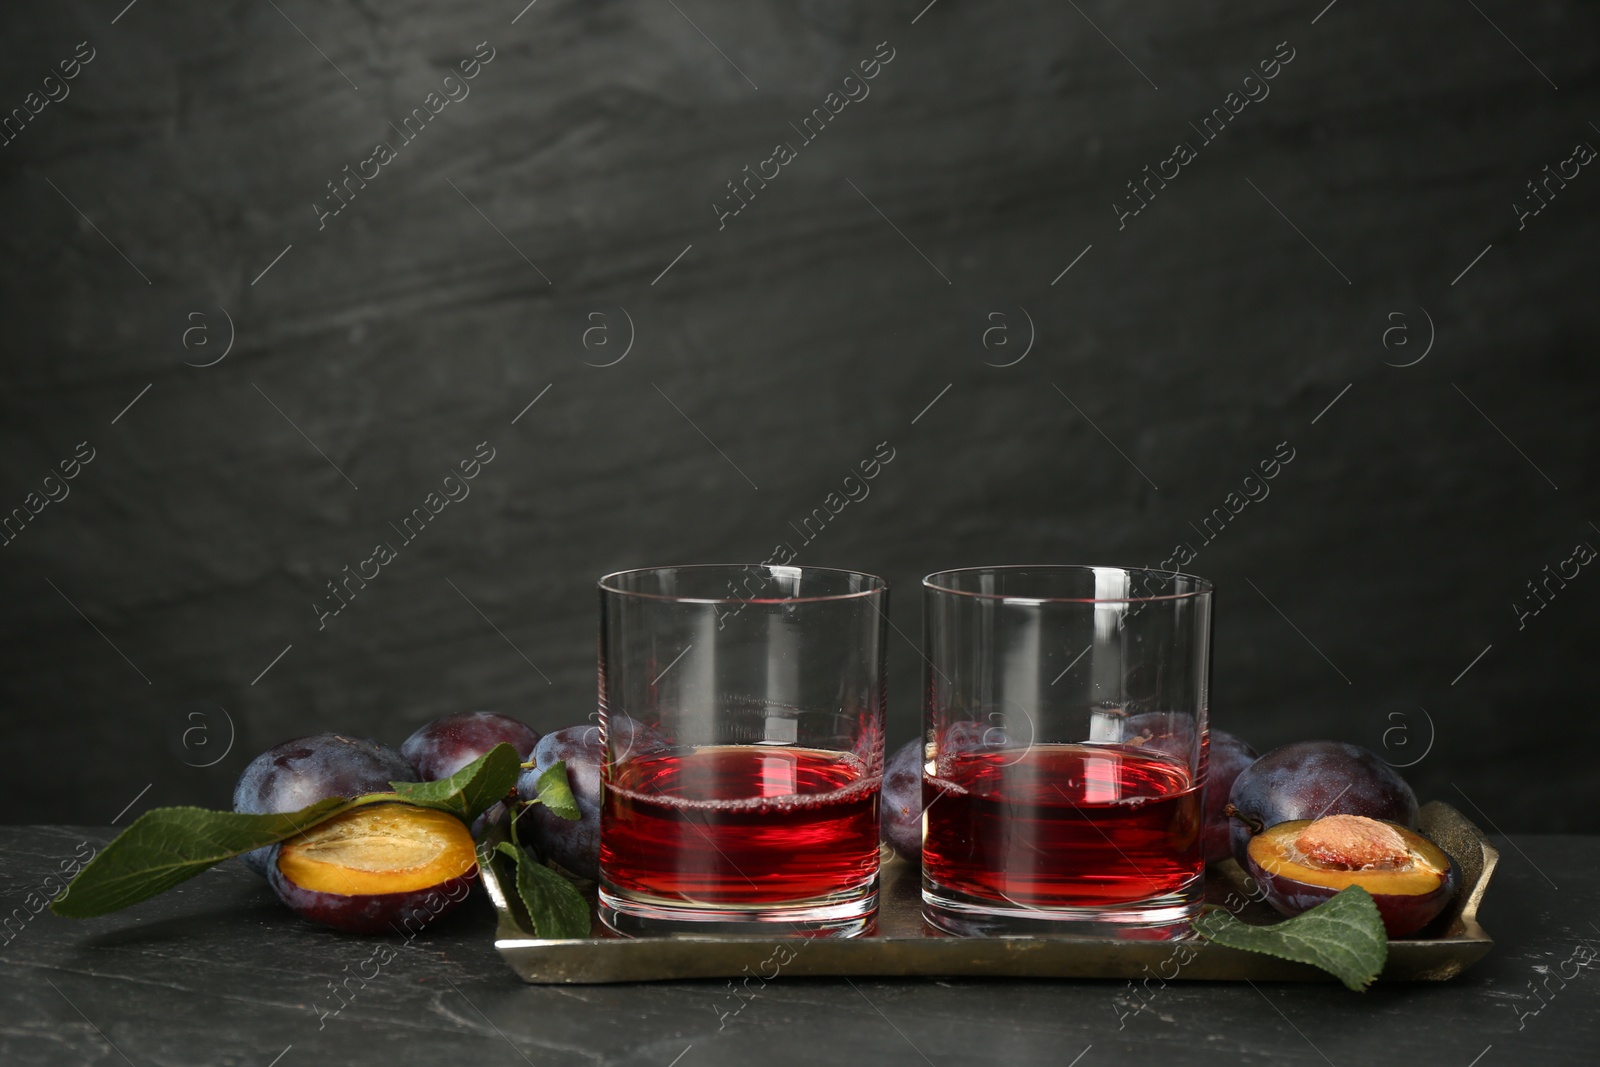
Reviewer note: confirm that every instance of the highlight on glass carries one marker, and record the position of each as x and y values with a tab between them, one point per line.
743	714
1065	746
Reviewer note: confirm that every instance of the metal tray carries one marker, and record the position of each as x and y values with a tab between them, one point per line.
905	945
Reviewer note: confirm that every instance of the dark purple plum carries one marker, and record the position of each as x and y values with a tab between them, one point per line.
631	738
966	736
1171	733
1228	758
576	845
444	746
901	811
1311	779
384	868
495	813
308	769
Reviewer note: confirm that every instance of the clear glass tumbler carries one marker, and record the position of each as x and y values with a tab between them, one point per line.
742	708
1065	740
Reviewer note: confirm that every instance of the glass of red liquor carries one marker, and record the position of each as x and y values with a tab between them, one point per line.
742	709
1065	741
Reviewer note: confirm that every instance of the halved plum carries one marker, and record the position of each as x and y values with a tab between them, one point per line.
378	868
1302	863
305	770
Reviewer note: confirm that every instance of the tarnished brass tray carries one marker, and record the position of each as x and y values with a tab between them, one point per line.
904	945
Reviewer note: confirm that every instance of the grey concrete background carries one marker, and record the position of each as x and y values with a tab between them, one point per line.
882	288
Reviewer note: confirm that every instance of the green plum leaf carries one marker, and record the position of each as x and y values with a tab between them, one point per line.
1343	935
473	789
556	794
554	906
167	846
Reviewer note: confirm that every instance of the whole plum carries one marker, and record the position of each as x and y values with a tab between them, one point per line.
576	844
308	769
1229	758
901	823
1169	732
442	747
1173	735
1312	779
969	737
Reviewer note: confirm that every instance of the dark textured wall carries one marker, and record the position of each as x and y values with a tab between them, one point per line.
1099	380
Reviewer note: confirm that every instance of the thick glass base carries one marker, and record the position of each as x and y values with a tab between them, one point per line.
844	914
1164	918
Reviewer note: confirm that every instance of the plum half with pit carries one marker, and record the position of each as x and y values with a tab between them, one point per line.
301	772
901	822
442	747
376	869
1300	864
1308	780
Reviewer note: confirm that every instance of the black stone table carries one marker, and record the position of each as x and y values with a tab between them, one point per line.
218	973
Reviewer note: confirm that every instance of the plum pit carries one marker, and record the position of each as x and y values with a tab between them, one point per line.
1353	843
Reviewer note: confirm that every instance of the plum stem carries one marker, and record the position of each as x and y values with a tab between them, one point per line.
1253	824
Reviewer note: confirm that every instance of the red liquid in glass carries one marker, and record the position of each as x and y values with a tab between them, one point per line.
1062	826
740	825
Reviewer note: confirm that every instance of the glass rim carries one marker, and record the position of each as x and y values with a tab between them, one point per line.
879	585
1203	586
